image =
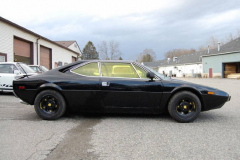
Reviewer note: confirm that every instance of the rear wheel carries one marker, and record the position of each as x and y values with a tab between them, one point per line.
50	105
184	107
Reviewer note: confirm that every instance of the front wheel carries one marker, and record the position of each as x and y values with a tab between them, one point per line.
184	106
49	105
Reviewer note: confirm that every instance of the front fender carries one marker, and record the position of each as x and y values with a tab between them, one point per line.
185	87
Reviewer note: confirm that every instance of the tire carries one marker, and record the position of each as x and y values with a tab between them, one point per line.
184	107
49	105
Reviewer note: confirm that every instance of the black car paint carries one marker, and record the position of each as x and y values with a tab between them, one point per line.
122	95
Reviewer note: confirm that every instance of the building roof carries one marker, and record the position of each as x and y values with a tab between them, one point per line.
35	34
65	43
196	57
152	64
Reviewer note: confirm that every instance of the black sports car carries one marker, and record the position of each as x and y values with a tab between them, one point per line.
115	86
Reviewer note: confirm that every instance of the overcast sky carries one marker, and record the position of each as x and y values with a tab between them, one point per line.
135	24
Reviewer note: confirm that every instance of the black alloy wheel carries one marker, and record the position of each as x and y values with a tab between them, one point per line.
49	105
184	106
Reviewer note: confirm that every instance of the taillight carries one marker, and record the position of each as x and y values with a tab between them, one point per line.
21	87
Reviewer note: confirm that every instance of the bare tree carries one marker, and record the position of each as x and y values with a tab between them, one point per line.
109	50
212	42
178	52
103	50
238	33
229	38
148	55
202	48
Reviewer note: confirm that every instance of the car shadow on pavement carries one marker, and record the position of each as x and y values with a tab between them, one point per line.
7	93
161	117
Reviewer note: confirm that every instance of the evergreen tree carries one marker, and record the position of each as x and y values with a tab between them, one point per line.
89	51
120	58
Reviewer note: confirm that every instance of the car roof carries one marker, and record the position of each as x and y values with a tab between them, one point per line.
34	65
9	62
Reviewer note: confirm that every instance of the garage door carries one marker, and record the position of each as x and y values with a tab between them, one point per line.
45	57
22	51
74	59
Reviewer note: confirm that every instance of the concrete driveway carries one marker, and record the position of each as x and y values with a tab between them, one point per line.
214	135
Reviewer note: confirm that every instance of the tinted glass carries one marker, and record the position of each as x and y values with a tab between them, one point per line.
141	72
90	69
7	68
124	70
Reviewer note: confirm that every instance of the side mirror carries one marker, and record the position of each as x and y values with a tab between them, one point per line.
17	72
151	75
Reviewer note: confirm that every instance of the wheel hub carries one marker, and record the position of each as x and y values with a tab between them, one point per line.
185	107
49	104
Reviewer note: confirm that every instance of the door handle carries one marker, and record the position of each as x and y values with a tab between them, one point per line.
105	83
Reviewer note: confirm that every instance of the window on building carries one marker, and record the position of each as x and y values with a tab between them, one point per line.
2	58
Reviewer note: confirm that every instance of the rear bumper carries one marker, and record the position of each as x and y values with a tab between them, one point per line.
15	94
6	90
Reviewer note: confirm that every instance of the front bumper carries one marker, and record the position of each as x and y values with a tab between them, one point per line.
229	98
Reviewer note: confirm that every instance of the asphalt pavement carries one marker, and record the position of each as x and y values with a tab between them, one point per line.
214	135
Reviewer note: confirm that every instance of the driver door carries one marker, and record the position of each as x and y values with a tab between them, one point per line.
122	87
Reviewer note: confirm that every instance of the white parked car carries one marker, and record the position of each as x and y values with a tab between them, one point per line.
10	71
38	68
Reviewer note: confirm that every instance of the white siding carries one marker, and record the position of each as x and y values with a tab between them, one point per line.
75	47
7	33
181	70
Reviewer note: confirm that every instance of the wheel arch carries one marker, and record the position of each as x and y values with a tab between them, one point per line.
192	90
51	86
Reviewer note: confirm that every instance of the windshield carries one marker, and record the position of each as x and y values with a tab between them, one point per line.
26	68
44	69
158	74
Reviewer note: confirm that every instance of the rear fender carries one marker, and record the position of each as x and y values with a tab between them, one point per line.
49	85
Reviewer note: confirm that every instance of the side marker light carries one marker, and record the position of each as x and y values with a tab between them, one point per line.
211	93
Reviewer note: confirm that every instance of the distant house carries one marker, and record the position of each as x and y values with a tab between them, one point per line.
188	65
223	61
18	44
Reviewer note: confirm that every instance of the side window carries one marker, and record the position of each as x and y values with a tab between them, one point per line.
140	71
35	69
7	68
124	70
90	69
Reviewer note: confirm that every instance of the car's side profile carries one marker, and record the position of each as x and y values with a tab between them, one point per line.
10	71
115	86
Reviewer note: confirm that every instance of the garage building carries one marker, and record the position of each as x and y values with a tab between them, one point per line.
18	44
225	63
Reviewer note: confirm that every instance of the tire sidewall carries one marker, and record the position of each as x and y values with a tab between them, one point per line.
61	105
174	102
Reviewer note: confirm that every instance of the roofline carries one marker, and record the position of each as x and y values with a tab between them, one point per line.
179	64
221	54
35	34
